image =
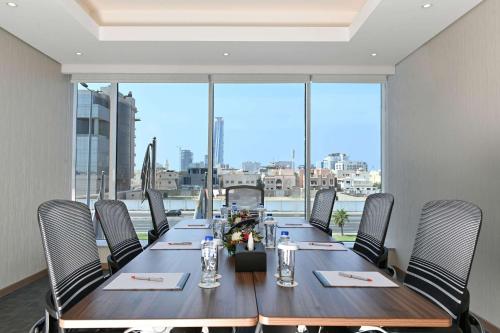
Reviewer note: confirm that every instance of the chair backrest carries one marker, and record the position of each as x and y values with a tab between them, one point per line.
118	230
373	226
70	247
160	221
442	256
322	209
245	196
202	206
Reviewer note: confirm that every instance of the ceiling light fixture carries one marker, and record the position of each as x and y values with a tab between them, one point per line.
373	54
427	5
226	54
11	4
79	53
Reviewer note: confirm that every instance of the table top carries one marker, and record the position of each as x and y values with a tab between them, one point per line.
243	299
231	304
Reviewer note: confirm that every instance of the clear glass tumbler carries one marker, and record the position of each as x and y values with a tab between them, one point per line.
286	264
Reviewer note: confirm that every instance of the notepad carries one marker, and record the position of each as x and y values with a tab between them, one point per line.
325	246
176	246
170	281
193	226
333	279
294	225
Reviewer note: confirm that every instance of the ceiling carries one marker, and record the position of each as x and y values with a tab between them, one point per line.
337	13
261	36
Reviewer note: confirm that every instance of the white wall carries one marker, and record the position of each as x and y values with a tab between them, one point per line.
35	151
443	139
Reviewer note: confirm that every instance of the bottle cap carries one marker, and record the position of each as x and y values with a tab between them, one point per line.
269	214
209	238
217	216
224	205
284	233
234	203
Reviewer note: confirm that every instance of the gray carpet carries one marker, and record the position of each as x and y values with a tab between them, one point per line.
21	309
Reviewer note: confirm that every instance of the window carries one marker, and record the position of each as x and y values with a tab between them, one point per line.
92	150
259	135
176	114
346	145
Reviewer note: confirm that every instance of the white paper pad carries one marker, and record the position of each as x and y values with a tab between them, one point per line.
294	225
326	246
333	279
176	246
171	281
193	226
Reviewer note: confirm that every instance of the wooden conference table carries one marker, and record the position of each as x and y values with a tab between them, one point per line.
246	299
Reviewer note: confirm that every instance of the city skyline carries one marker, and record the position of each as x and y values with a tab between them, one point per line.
270	116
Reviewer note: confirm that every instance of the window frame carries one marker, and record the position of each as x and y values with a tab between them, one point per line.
211	80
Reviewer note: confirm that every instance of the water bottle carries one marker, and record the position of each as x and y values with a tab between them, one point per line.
218	229
234	209
223	211
270	231
284	239
286	264
208	263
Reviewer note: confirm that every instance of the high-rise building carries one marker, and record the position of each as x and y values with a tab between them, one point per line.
99	103
330	160
249	166
219	141
186	156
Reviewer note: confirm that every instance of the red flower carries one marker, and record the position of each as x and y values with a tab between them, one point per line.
245	237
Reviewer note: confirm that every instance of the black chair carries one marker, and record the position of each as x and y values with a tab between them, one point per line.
119	233
441	260
322	210
373	229
158	215
74	268
244	196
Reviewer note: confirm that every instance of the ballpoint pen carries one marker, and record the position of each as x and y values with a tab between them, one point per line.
357	277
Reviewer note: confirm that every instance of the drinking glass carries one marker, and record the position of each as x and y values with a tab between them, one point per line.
286	264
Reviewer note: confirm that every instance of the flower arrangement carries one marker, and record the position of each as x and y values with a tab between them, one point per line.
242	225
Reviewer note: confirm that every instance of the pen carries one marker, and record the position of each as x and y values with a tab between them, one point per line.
357	277
180	243
320	244
147	278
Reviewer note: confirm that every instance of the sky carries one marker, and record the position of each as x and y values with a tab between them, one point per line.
262	122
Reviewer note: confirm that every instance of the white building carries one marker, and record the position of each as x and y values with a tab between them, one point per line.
166	180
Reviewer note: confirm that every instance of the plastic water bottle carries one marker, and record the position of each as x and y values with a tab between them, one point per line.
218	229
234	208
270	231
208	263
223	211
284	239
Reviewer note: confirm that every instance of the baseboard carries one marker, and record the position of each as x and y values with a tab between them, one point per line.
22	283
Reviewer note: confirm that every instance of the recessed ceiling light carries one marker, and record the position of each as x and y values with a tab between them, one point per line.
427	5
373	54
225	54
11	4
79	53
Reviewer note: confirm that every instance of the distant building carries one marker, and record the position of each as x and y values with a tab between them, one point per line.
330	160
196	178
357	183
283	164
351	165
186	157
279	182
249	166
320	178
235	177
99	103
166	180
218	141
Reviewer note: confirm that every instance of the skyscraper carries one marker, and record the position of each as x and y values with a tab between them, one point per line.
219	141
186	156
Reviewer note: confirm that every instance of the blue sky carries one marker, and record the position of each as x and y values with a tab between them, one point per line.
262	122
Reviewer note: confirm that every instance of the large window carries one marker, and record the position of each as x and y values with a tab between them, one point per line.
92	142
176	114
346	147
259	141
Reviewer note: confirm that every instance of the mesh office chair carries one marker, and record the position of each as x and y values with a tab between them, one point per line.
245	196
119	232
74	268
158	215
441	260
373	228
322	209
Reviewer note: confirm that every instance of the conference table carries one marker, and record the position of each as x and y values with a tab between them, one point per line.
251	299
